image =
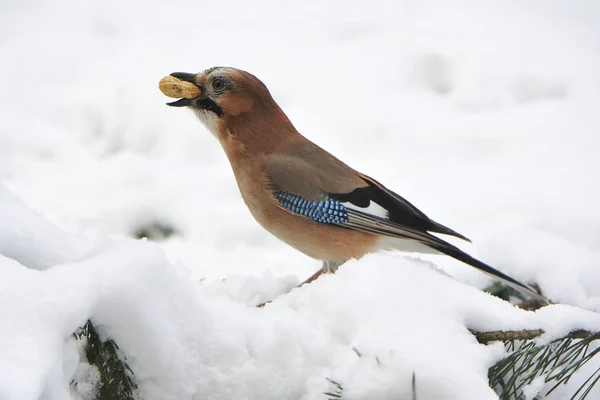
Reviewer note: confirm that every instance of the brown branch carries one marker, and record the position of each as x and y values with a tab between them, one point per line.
493	336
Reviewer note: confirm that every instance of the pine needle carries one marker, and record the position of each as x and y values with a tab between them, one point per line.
556	362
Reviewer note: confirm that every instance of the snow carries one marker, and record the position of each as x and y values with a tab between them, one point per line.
482	114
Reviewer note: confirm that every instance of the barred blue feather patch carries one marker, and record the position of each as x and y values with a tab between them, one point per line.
327	211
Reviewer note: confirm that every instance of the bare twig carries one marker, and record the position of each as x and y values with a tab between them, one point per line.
494	336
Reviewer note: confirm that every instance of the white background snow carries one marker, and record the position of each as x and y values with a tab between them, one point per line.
483	114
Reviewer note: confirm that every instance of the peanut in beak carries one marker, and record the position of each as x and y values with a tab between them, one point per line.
176	88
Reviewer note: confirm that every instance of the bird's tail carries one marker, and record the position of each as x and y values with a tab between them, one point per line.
467	259
365	222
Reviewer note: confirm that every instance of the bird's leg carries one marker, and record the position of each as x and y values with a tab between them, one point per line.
329	267
313	277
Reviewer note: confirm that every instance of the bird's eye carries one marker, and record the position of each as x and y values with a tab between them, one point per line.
218	84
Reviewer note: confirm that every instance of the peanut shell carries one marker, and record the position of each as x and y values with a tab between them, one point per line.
176	88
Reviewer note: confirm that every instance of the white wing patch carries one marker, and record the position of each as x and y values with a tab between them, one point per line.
373	209
405	245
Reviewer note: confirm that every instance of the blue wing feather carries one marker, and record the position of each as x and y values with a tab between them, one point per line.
328	211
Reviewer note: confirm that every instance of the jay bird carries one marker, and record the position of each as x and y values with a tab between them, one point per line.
301	193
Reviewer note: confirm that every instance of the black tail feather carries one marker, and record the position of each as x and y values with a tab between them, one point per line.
467	259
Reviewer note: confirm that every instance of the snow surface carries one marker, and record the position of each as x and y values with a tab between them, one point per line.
483	114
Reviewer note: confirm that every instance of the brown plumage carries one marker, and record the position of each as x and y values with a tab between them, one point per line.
274	163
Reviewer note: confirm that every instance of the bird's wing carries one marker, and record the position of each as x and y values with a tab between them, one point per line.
312	183
314	174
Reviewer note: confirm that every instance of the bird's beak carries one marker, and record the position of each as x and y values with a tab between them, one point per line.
186	77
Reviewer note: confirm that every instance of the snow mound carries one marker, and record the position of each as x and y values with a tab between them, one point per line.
370	327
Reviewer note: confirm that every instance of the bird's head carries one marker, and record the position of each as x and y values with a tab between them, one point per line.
234	104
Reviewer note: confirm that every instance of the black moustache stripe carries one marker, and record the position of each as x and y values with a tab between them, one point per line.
209	105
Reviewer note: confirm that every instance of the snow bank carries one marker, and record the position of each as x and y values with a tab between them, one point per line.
31	239
185	340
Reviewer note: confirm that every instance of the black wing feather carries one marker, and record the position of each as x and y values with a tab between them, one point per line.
399	209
